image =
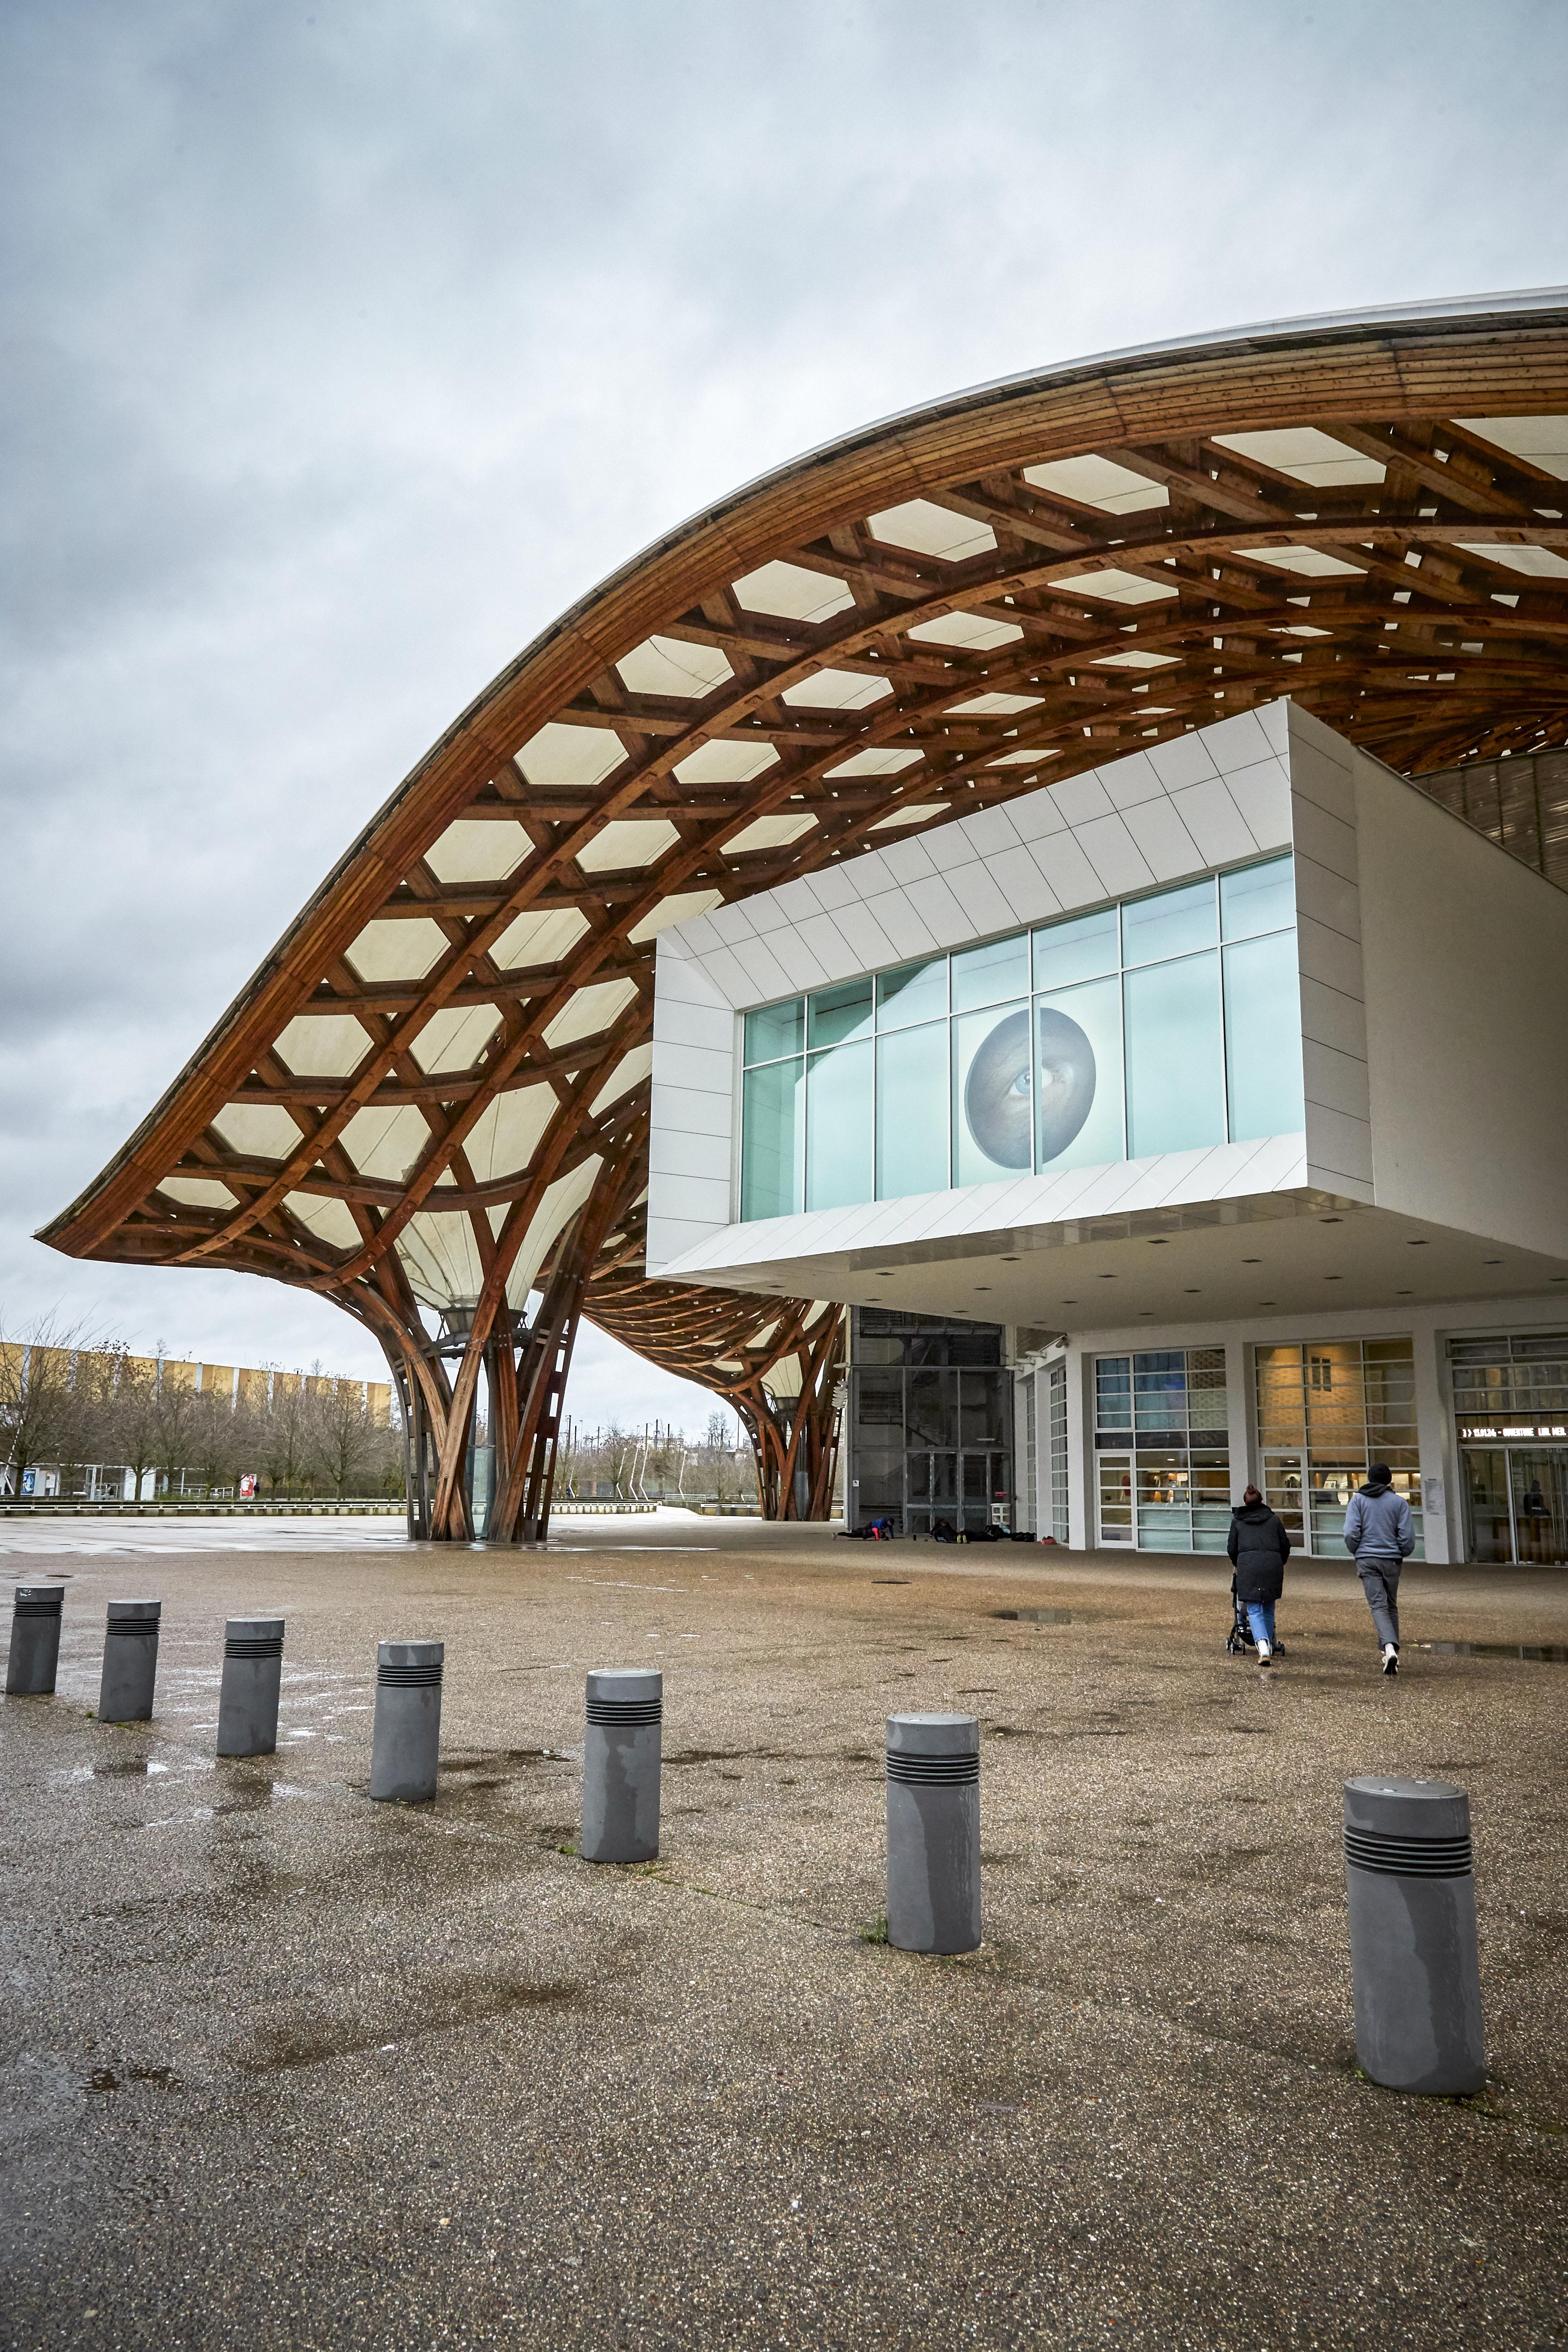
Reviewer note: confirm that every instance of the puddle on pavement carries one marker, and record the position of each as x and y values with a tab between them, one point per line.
1551	1654
1035	1616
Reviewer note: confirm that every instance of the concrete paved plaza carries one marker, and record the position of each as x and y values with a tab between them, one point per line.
281	2066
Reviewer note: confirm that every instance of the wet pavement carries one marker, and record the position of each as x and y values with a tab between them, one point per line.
282	2065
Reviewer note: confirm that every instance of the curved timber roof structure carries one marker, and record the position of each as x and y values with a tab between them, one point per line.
433	1095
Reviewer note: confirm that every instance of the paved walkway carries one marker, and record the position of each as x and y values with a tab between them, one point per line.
282	2065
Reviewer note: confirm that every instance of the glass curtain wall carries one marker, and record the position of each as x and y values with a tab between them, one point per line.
930	1423
1162	1443
1327	1410
1160	1024
1510	1409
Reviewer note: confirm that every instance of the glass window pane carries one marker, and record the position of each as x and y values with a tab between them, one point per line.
916	992
992	1100
1078	1050
835	1014
911	1112
1175	1062
1085	949
775	1029
1263	1038
839	1128
772	1126
1169	925
1259	898
985	975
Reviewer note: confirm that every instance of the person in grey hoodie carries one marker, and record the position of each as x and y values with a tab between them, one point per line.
1381	1533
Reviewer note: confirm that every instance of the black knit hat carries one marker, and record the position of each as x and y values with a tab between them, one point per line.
1380	1474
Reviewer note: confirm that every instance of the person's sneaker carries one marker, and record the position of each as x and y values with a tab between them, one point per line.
1264	1654
1390	1659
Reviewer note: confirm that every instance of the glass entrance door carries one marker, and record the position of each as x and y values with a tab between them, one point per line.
1487	1500
1538	1476
1283	1476
962	1487
1517	1496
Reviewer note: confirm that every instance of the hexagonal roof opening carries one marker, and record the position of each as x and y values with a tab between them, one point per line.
671	666
926	529
792	592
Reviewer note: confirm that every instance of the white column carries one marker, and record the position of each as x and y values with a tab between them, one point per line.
1240	1417
1081	1496
1442	1505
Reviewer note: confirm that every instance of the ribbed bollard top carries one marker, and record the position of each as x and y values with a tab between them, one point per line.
628	1695
38	1599
409	1665
934	1750
134	1616
1417	1828
253	1637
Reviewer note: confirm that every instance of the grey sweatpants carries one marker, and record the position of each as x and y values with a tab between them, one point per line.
1379	1582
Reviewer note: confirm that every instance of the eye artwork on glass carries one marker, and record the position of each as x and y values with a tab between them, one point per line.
998	1098
1162	1024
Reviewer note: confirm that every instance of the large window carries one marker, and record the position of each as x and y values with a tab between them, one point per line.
1511	1403
1162	1443
1162	1024
1327	1410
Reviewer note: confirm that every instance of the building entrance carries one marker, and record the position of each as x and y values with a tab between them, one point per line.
1511	1407
1518	1503
930	1425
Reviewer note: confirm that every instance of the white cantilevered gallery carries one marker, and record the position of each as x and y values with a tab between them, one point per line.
1216	1096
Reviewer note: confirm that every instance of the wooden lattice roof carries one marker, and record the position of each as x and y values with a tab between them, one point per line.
448	1053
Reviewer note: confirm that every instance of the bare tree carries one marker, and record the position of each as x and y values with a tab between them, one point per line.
40	1420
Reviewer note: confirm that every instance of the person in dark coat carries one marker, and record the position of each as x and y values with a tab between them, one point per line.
1260	1547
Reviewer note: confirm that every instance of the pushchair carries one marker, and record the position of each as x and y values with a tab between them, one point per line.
1241	1636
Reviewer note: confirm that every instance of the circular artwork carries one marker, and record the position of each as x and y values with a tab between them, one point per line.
998	1094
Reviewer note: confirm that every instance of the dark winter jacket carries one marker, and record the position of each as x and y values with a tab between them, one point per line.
1260	1546
1378	1524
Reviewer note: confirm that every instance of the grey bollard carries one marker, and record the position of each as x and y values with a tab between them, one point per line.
34	1641
623	1752
933	1832
252	1675
129	1662
408	1737
1414	1963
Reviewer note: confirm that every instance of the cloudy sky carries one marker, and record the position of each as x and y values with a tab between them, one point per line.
346	344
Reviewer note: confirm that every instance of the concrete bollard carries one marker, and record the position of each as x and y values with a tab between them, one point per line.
408	1737
129	1662
34	1656
623	1754
252	1675
1415	1967
933	1832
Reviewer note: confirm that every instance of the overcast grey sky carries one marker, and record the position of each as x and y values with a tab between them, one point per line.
345	344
